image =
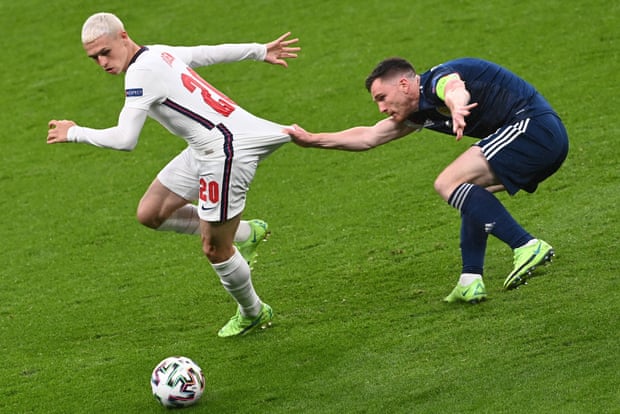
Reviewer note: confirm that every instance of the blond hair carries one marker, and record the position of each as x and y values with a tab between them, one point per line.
101	24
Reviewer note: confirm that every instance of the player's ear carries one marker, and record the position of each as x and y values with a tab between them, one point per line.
404	84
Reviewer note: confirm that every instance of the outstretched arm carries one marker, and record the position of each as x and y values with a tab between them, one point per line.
359	138
123	137
274	52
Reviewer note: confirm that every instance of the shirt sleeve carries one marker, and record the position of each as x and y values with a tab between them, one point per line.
143	88
122	137
416	127
197	56
440	75
440	86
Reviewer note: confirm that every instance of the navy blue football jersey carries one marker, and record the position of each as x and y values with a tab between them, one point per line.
503	98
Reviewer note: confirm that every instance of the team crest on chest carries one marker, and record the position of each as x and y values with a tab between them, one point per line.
168	58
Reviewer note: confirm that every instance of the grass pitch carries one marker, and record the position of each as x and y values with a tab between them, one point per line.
362	250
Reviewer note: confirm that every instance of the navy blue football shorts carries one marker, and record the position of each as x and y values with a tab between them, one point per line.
524	154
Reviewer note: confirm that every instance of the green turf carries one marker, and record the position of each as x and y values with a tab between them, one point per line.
362	250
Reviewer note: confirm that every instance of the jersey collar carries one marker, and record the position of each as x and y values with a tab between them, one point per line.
138	53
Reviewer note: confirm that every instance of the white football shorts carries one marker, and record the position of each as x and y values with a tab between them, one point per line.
219	180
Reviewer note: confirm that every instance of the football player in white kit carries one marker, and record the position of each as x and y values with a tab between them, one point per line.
225	144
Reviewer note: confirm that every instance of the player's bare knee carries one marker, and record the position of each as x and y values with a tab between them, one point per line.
442	187
212	253
217	254
147	218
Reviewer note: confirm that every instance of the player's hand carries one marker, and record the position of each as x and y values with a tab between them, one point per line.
299	135
58	130
280	49
458	118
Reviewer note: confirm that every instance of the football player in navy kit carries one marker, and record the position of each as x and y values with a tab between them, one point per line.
522	141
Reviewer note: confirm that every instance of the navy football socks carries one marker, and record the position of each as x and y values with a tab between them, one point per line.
482	211
473	245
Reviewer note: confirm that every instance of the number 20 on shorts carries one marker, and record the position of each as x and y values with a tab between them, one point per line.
209	191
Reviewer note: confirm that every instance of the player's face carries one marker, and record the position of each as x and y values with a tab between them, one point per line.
396	97
110	52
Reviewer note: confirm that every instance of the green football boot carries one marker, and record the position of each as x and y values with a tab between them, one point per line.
240	325
260	232
525	261
475	292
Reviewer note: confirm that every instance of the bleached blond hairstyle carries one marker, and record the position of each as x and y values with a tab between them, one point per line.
101	24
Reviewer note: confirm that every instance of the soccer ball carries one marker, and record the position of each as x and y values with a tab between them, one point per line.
177	382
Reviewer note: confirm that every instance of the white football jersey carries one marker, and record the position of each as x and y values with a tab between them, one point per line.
159	81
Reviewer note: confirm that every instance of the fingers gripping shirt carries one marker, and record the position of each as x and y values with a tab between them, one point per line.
172	93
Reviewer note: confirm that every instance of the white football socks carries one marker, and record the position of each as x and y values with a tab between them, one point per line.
185	220
530	243
467	279
244	231
237	280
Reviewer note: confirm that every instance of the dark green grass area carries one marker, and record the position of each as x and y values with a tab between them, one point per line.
362	249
